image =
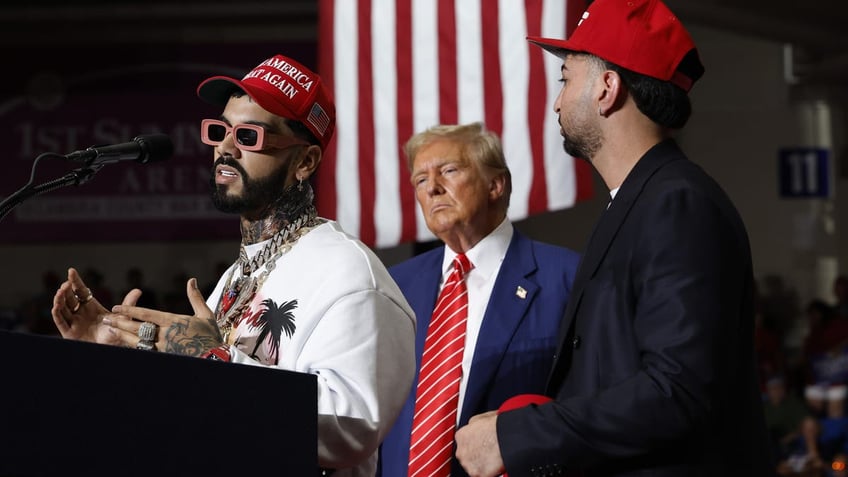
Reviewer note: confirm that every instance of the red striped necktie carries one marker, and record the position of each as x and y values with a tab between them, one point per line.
437	395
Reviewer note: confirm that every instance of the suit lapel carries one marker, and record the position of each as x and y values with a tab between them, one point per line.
602	236
504	312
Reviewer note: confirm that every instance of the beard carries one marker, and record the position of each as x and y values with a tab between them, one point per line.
258	194
581	134
581	146
580	139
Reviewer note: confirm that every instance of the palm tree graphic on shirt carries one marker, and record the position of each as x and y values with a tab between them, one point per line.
273	319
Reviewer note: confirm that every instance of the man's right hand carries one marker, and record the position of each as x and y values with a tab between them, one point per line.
77	313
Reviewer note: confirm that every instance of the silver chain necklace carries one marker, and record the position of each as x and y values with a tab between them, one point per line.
239	291
248	266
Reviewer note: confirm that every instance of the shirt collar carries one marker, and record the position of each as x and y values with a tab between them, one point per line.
487	254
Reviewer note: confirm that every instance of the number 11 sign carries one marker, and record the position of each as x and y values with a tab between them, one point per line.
804	172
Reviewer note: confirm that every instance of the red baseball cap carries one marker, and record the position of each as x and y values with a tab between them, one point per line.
284	87
522	400
643	36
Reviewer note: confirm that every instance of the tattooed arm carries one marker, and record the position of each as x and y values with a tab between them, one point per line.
177	334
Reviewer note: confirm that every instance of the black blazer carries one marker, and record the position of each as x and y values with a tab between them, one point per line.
654	374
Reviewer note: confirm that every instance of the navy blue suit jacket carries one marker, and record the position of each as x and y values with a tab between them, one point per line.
517	340
655	372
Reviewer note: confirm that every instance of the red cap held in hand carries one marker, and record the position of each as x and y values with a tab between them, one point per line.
522	400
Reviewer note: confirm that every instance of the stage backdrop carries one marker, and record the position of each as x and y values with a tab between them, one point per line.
67	99
400	66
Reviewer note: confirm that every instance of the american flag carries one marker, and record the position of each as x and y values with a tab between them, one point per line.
397	67
318	118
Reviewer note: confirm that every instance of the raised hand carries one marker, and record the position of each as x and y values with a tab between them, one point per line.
178	334
78	314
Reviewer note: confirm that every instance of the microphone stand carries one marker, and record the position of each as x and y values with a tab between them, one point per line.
75	177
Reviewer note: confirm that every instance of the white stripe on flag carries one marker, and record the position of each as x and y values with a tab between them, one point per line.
560	176
515	71
387	213
345	58
469	62
425	77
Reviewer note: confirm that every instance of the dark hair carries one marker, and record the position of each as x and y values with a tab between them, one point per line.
661	101
300	131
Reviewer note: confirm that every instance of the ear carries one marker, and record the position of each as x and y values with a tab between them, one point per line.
497	186
308	162
612	92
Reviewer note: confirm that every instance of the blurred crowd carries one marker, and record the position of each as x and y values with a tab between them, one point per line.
802	353
32	314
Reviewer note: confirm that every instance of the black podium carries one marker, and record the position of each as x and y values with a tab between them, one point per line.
73	408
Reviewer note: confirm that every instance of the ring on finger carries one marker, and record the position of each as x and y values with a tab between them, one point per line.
82	301
147	332
86	298
146	345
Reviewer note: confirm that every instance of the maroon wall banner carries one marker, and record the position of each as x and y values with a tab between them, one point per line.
68	100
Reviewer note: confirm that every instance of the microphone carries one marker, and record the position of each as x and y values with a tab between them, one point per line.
143	149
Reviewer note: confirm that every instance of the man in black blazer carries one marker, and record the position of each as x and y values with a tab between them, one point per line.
654	374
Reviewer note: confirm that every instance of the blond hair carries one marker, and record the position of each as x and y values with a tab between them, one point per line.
481	146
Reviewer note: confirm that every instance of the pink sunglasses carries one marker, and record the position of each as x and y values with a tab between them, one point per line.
247	137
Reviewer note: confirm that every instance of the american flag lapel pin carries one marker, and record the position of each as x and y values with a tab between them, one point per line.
520	292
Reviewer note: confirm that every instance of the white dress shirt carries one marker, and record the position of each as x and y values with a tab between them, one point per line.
486	256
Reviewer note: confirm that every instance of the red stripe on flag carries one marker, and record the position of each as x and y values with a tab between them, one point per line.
537	98
583	180
573	10
325	177
447	63
405	125
367	177
583	176
492	85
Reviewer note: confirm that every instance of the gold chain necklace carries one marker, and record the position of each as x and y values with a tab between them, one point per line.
239	292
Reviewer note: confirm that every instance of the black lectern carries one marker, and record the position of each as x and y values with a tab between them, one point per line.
73	408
